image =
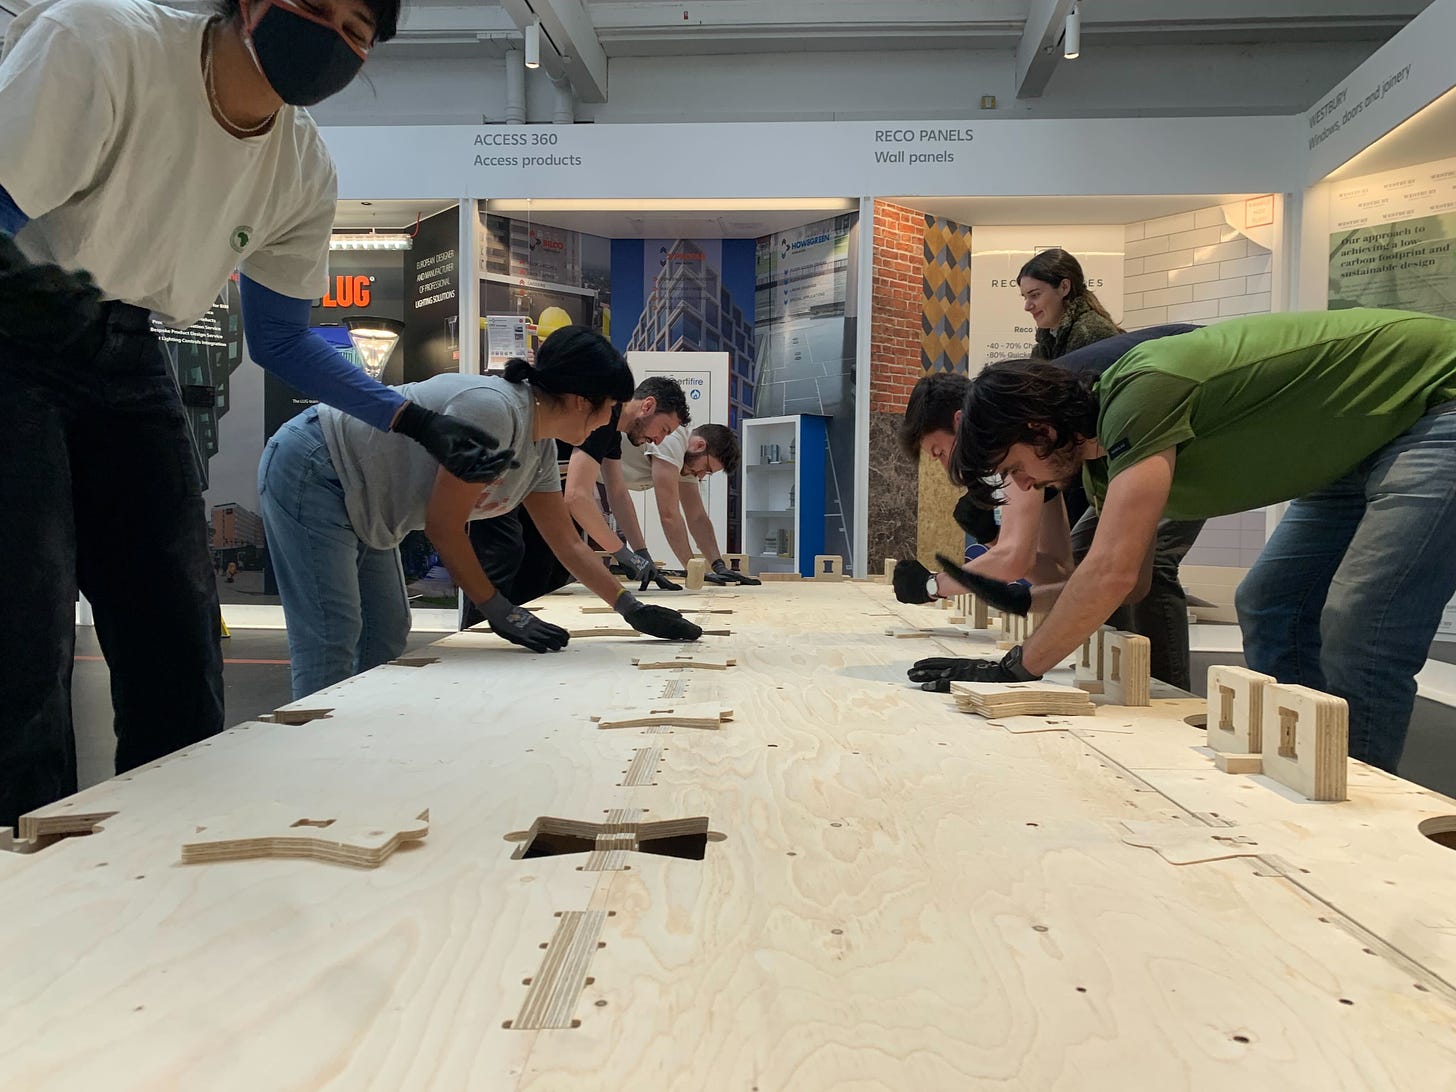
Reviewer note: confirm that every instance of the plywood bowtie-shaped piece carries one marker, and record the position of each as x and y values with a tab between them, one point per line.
668	715
276	830
1236	717
828	567
1126	668
699	662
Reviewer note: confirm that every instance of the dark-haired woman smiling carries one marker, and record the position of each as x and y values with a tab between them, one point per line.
338	498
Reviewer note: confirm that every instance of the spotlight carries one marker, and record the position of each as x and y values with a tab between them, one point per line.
533	45
1072	37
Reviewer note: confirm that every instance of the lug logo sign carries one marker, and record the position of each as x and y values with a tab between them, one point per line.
348	291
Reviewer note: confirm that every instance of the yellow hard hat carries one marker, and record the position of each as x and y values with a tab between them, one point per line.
551	320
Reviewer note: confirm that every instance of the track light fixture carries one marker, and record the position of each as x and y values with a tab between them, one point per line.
1072	36
533	45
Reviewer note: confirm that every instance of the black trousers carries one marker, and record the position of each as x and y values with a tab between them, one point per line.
516	558
99	491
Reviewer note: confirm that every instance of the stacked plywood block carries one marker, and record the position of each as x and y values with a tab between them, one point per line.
1021	699
1296	735
1116	664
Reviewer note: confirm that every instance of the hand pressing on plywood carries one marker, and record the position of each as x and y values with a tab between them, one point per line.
521	627
936	673
655	620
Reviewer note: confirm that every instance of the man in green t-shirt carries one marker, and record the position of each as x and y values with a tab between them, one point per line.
1349	414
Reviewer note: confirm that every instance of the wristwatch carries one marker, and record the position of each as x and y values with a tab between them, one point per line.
932	587
1011	664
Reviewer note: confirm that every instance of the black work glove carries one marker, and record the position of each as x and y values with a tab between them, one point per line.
639	566
42	306
521	627
936	673
1012	598
722	575
463	449
912	581
655	620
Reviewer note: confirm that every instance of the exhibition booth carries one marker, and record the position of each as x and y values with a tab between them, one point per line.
830	264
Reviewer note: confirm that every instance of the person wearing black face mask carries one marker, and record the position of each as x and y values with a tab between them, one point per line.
145	155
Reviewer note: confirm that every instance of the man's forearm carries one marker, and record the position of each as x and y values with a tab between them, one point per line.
1081	605
706	538
625	513
676	532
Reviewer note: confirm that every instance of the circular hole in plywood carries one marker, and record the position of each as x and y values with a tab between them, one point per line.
1197	720
1440	829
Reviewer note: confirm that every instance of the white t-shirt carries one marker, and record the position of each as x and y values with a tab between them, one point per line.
637	461
108	144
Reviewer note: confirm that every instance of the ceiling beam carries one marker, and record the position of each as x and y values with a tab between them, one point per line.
570	48
1038	53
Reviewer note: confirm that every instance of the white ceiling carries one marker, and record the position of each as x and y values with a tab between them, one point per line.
1429	135
386	215
986	211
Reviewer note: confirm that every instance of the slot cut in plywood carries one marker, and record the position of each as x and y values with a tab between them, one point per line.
1089	670
643	767
1306	741
737	563
276	830
607	844
556	986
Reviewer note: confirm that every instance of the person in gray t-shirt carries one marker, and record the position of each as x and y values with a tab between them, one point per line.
338	497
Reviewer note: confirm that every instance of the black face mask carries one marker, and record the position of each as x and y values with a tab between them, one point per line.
303	61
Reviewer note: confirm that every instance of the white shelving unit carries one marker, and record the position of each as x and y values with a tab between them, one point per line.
783	492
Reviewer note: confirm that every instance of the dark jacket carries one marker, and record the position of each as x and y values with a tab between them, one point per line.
1080	326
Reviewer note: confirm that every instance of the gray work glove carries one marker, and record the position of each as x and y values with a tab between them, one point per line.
639	566
722	575
655	620
521	627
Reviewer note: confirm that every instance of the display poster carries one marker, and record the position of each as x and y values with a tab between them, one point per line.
527	269
507	337
806	349
431	339
1391	243
202	358
1000	327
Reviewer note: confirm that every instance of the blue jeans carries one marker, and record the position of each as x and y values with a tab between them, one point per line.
344	602
1347	595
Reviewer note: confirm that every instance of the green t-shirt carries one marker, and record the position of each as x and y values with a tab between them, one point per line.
1271	407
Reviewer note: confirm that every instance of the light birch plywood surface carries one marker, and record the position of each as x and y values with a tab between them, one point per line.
904	896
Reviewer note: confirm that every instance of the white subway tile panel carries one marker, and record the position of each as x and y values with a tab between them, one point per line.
1146	282
1222	289
1198	311
1219	252
1262	283
1206	236
1147	316
1211	217
1131	267
1251	266
1255	304
1132	301
1167	225
1134	231
1172	260
1166	296
1193	274
1141	248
